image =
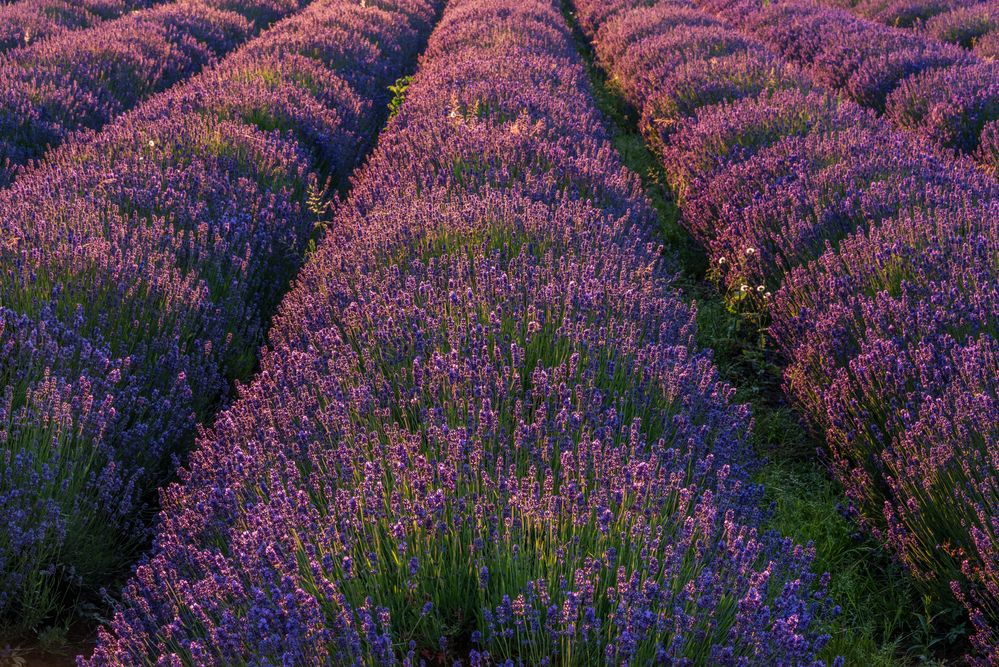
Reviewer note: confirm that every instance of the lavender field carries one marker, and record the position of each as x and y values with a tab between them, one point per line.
499	332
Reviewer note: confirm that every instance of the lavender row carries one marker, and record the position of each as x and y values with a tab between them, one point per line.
875	258
940	92
972	24
83	79
901	13
975	26
26	22
482	433
139	268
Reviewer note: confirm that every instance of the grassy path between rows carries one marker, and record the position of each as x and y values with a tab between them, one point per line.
883	623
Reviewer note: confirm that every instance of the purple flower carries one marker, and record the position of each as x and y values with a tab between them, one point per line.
141	264
484	366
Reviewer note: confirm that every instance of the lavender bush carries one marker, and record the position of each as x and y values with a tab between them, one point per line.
902	350
873	257
26	22
987	46
962	22
84	79
139	269
901	13
949	107
481	432
965	25
879	66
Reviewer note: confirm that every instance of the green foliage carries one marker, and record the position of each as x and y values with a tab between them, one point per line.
398	90
875	626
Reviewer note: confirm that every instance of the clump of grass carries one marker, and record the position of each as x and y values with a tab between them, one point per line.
876	598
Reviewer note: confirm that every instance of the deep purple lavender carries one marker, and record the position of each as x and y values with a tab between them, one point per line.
81	80
902	13
482	432
874	257
878	66
960	22
26	22
139	268
949	107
